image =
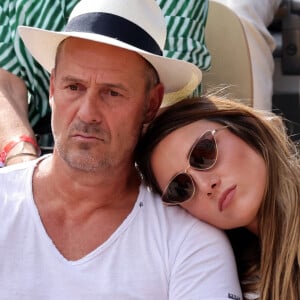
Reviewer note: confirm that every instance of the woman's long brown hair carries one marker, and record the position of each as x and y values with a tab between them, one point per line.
267	264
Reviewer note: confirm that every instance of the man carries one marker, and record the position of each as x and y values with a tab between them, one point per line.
21	75
78	224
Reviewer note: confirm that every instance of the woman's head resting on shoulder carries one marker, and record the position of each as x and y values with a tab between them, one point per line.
220	160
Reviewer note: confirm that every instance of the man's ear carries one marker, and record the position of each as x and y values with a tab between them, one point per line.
51	87
154	102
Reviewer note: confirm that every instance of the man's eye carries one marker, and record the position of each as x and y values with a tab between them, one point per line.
114	93
73	87
110	93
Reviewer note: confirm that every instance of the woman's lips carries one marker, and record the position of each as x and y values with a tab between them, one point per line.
226	198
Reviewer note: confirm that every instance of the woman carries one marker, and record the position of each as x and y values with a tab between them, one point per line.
235	168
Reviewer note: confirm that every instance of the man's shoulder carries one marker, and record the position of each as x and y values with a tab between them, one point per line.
190	244
175	218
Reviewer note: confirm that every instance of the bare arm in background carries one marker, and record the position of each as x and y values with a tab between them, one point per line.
14	115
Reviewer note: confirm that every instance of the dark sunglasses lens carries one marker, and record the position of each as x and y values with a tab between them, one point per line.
180	189
204	153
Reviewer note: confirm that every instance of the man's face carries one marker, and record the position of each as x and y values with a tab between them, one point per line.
99	103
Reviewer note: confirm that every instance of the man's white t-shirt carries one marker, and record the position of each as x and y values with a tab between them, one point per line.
158	252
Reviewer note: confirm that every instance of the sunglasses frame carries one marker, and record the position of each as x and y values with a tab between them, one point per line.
185	171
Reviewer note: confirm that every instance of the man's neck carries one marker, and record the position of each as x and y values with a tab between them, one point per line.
104	187
78	213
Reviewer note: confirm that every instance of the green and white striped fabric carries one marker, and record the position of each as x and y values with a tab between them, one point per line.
185	21
47	14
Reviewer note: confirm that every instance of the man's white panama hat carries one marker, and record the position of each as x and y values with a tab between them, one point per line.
136	25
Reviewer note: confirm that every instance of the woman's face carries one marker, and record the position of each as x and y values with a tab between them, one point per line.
230	193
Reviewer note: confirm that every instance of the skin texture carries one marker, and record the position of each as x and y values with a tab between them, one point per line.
99	105
239	173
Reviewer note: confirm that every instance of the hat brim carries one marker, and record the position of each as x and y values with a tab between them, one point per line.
179	77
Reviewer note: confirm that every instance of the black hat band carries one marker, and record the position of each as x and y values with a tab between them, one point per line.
116	27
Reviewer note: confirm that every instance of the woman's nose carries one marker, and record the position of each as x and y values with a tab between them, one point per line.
206	182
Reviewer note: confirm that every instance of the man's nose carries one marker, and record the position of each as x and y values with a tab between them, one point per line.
90	110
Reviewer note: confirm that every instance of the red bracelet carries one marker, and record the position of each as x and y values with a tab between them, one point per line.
13	143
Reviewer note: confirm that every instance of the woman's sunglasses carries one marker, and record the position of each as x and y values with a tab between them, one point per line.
202	156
